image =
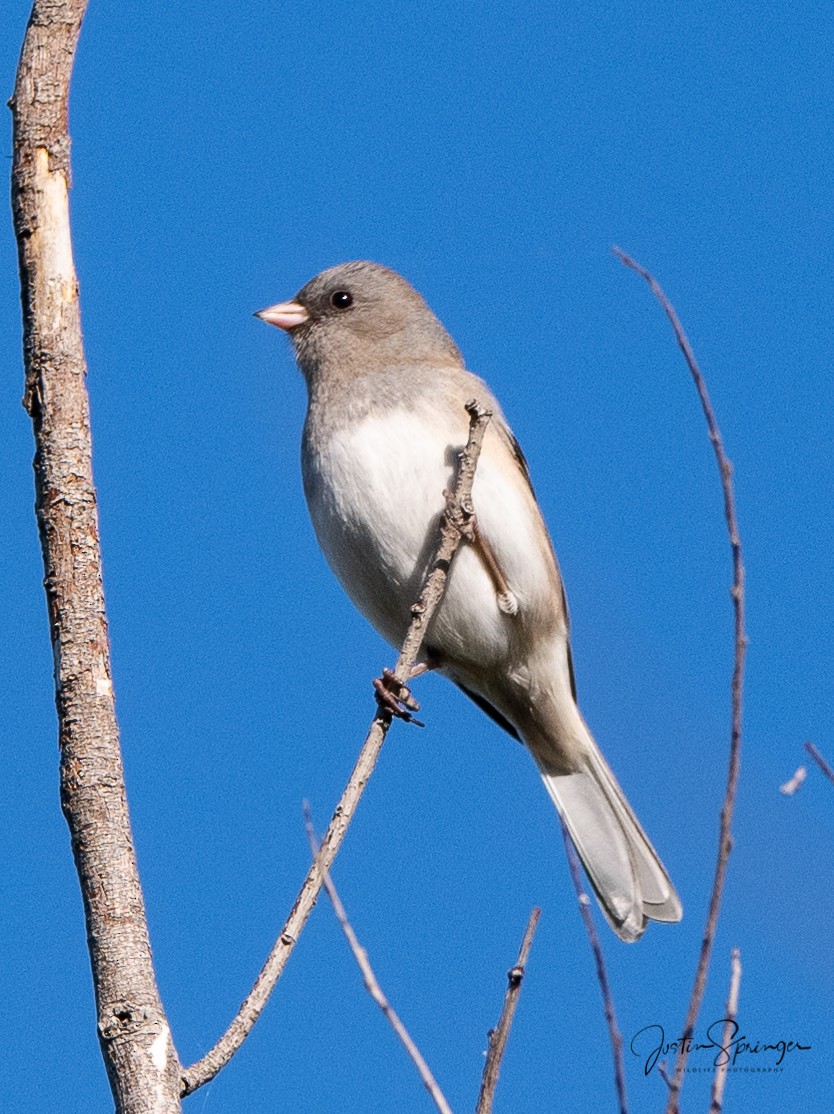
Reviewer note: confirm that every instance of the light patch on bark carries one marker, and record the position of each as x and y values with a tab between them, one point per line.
53	233
159	1050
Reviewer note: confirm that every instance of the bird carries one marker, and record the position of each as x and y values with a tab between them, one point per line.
385	424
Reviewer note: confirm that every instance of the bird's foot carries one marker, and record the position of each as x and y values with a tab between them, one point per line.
395	698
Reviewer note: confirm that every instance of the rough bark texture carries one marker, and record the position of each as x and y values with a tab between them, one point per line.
141	1062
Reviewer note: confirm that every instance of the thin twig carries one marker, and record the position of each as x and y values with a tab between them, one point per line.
499	1035
664	1074
370	979
602	974
820	761
720	1077
725	839
458	511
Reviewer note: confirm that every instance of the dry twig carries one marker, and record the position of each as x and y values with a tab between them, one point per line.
720	1077
458	511
820	761
602	975
499	1035
370	979
725	839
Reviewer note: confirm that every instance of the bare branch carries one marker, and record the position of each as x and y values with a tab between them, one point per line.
820	761
370	979
458	511
602	974
725	839
499	1035
720	1077
134	1035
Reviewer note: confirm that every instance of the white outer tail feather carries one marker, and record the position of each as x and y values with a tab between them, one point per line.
625	871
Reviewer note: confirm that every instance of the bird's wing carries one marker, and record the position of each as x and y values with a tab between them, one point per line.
515	449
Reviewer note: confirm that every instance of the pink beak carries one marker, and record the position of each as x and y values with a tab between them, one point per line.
284	315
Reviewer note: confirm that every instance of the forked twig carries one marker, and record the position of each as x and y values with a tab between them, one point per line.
458	511
725	839
720	1077
370	979
602	974
498	1036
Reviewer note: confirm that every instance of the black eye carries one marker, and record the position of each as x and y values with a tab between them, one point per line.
341	299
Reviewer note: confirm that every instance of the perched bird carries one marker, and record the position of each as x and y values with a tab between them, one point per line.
385	422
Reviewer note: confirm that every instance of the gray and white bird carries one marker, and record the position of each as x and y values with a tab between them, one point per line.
385	421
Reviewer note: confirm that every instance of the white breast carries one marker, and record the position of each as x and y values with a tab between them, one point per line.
375	492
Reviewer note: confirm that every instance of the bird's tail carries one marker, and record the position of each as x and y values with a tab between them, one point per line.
625	871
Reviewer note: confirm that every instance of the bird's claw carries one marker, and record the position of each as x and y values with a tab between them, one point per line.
396	698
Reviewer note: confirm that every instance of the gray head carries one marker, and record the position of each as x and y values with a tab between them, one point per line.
359	318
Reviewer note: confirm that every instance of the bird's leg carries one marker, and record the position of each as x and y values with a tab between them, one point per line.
467	524
507	601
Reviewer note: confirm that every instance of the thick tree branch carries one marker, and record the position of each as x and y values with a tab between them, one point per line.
133	1031
458	512
499	1035
725	838
614	1034
371	981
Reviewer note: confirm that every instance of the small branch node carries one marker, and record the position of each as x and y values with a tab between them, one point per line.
515	975
497	1037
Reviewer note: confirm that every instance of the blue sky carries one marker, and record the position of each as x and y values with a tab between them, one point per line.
492	153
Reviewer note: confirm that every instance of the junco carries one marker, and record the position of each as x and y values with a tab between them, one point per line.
386	388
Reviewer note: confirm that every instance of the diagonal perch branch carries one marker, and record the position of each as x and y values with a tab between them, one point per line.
499	1035
725	838
458	511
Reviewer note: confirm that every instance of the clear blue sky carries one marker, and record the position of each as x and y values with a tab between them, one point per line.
223	154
